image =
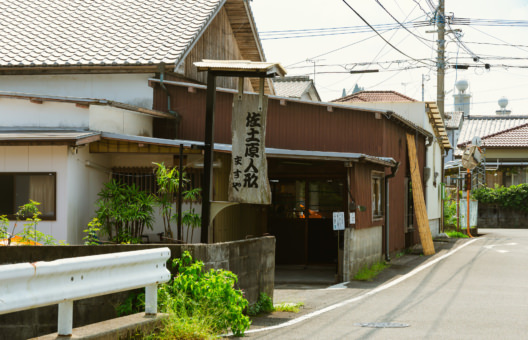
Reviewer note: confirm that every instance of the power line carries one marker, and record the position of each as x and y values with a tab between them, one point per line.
392	16
386	41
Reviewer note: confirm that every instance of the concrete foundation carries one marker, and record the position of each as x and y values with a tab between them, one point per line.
434	226
253	261
362	248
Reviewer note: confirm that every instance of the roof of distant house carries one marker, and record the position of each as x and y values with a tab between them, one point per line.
452	119
516	137
484	126
55	33
294	87
375	96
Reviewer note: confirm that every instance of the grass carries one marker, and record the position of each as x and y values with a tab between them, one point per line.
455	234
368	274
183	328
288	307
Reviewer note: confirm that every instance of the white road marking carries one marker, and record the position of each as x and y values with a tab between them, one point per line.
360	297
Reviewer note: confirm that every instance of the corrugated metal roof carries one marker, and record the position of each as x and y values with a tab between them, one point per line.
100	32
84	101
77	137
318	155
375	96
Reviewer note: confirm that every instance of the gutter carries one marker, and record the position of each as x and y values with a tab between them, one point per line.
161	69
394	170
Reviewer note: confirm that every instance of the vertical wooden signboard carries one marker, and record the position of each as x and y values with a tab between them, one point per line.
418	199
248	181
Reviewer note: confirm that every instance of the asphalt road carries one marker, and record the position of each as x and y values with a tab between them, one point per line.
475	290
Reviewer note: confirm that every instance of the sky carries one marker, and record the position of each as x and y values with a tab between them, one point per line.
291	33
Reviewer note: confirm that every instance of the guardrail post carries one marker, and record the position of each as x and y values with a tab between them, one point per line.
151	299
64	327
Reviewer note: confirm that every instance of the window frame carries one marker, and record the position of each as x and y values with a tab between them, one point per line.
12	217
381	176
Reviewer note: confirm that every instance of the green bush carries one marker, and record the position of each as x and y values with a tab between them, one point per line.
263	305
124	212
515	196
205	294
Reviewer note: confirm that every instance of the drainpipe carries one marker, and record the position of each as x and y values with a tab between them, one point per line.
394	170
161	69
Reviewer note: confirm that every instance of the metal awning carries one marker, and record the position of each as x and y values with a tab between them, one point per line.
47	137
319	155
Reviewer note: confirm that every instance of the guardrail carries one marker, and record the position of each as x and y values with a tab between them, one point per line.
31	285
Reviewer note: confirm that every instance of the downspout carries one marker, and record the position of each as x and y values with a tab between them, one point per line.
161	69
394	170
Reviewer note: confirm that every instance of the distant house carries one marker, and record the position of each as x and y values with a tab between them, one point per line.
506	151
75	100
425	115
299	87
453	124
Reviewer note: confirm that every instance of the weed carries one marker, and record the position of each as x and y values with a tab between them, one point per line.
368	274
288	307
263	305
455	234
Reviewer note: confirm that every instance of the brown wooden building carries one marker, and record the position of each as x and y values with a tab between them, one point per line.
322	158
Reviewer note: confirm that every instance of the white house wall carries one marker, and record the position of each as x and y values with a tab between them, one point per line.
116	120
23	113
42	159
84	182
412	111
126	88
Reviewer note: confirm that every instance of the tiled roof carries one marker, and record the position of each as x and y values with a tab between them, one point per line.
36	33
516	137
293	87
483	126
452	119
375	96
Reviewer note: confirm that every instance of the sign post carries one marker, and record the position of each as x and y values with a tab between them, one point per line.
224	68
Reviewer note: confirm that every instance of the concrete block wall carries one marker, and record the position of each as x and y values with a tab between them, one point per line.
496	216
362	248
253	261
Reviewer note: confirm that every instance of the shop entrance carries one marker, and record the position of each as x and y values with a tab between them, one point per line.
301	219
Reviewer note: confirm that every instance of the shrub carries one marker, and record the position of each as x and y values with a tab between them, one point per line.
205	294
124	212
515	196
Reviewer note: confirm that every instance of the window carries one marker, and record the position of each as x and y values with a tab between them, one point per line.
377	184
19	188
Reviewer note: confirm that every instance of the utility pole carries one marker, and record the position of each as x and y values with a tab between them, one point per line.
440	66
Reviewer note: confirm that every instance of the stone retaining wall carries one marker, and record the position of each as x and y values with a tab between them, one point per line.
253	261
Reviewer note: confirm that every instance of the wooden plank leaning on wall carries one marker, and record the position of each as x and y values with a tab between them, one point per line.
418	199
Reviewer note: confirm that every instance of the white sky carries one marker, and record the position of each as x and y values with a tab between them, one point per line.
485	86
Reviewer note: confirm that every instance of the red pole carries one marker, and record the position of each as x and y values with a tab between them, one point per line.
468	182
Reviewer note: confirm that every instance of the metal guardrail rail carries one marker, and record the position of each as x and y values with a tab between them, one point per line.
31	285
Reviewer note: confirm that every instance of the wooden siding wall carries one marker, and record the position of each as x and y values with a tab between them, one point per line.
239	221
362	194
217	43
305	126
